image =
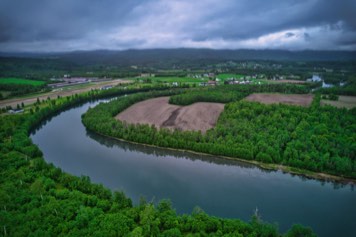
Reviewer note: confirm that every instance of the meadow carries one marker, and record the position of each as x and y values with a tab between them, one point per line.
225	76
20	81
173	79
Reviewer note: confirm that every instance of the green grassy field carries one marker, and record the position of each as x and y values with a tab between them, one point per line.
174	79
20	81
225	76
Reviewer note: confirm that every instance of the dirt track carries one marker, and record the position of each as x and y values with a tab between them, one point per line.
54	94
291	99
198	116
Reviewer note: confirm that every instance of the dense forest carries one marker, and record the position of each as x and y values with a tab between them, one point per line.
38	199
317	138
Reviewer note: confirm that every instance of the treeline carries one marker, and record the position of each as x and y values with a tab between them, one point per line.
349	87
350	90
230	93
206	96
16	89
38	199
320	139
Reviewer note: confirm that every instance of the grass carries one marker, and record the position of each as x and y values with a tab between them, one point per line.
225	76
20	81
174	79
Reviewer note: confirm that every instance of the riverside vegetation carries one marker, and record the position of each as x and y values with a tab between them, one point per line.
38	199
316	138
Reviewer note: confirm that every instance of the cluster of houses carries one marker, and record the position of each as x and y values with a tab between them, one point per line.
230	81
201	76
317	79
236	82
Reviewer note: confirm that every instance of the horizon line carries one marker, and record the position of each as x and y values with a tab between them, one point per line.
178	48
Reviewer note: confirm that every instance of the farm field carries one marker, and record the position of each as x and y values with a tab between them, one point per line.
348	102
291	99
20	81
225	76
198	116
176	79
287	81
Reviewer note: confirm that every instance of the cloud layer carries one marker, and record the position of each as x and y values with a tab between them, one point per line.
51	25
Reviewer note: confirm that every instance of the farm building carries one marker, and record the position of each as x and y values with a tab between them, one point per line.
15	111
315	78
212	83
106	87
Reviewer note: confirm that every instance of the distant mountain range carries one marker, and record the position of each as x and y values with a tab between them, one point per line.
148	56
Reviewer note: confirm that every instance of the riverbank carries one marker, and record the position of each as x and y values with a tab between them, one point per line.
275	167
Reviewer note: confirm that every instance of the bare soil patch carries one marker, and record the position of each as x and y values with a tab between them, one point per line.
291	99
158	112
348	102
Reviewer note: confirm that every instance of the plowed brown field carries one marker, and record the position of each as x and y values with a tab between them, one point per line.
291	99
198	116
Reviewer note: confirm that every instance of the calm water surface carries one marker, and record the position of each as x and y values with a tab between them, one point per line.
220	187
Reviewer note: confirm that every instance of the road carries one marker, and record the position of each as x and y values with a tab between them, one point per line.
54	94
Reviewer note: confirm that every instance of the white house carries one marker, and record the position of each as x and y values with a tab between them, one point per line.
315	78
325	85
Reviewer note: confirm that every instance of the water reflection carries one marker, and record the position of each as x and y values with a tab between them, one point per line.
162	152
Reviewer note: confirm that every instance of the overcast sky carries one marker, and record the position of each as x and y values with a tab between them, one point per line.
66	25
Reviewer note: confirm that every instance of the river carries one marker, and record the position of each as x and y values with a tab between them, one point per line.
220	187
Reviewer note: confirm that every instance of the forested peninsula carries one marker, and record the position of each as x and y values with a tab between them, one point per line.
315	138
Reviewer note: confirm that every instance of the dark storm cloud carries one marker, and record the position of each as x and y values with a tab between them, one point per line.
307	36
253	18
289	34
45	25
29	20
